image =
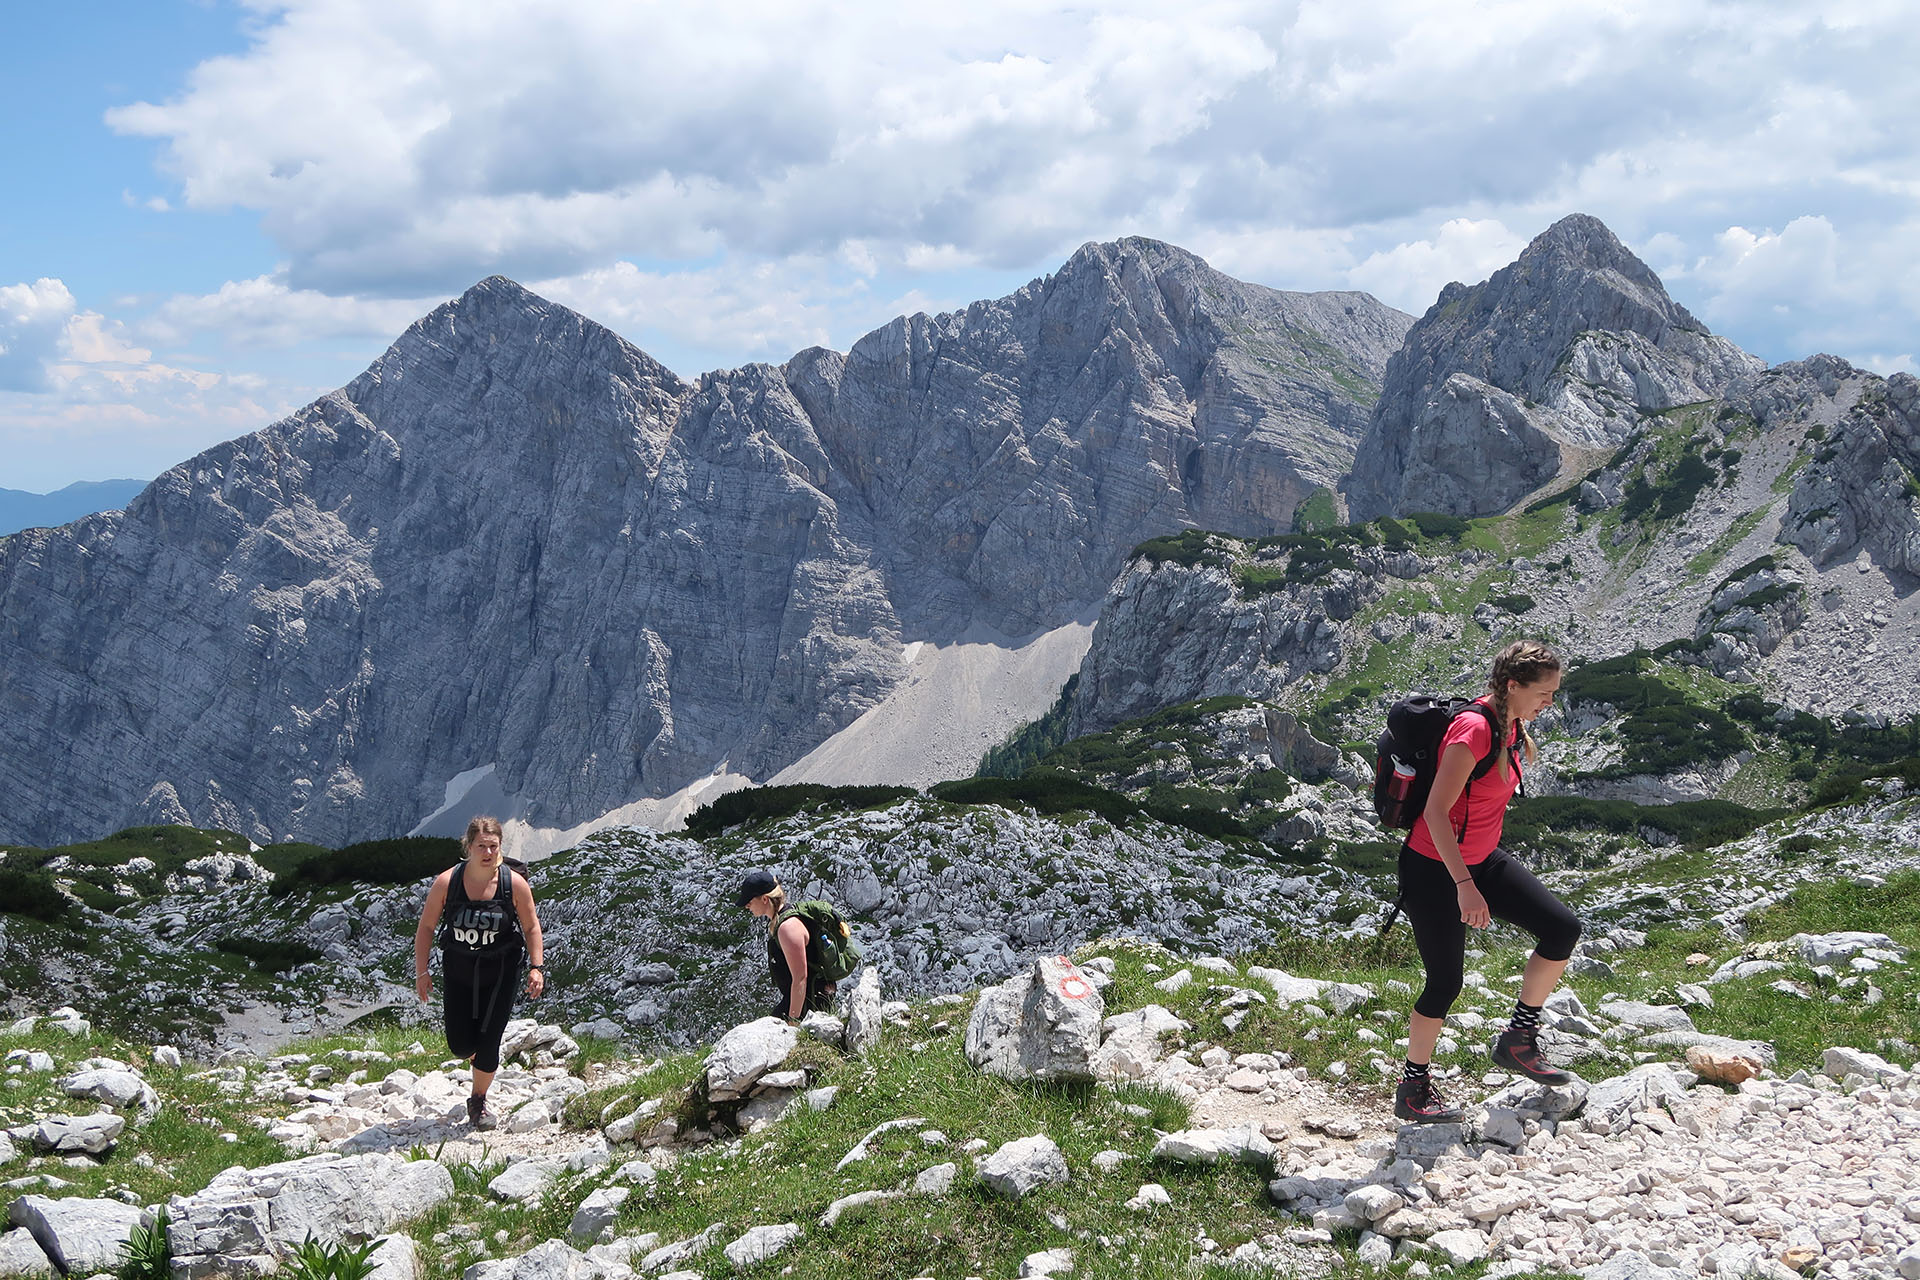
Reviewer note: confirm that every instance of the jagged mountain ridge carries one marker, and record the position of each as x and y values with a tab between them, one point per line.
1505	385
516	541
1768	537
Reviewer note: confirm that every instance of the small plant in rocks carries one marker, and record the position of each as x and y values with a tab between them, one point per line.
316	1261
147	1256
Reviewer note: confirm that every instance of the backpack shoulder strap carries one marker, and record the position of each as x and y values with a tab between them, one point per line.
506	894
1485	763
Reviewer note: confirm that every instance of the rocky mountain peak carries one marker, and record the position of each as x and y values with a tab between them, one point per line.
518	547
1504	385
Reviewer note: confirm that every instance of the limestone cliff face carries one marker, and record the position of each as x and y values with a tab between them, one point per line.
1860	493
518	541
1170	633
1501	385
1022	446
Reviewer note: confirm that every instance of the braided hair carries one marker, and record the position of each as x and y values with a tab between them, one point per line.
1525	661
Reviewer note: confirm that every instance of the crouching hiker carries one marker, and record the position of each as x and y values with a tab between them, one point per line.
1454	876
810	947
488	926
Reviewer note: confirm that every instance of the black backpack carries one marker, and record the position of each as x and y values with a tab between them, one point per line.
1408	754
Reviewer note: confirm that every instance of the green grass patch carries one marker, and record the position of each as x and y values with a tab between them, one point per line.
1736	534
1317	513
1189	547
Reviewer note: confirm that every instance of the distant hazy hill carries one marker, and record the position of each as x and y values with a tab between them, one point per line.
22	510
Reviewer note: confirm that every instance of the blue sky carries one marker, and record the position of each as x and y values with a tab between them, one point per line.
217	211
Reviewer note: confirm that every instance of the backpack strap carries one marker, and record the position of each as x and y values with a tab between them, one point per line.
1484	764
506	896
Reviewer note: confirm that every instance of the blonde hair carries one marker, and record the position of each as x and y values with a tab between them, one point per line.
1525	661
778	897
481	826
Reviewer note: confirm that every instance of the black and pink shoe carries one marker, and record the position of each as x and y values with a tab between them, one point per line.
1417	1100
1520	1051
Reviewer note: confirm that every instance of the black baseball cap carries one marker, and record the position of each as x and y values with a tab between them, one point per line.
756	883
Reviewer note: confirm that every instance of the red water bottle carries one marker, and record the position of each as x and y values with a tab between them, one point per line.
1400	791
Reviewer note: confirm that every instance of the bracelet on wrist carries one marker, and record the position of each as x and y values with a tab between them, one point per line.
1464	880
536	968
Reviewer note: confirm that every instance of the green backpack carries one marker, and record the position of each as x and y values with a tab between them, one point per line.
838	954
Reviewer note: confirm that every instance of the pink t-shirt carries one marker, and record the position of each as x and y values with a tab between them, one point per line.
1482	805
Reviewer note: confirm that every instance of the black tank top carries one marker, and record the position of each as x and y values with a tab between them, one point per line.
486	927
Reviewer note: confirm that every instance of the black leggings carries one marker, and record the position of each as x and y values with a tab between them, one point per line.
1431	901
479	1002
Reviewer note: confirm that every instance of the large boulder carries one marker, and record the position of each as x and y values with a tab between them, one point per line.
740	1057
1043	1024
248	1221
78	1236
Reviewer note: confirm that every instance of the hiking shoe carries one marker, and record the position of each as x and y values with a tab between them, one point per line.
478	1115
1520	1051
1420	1102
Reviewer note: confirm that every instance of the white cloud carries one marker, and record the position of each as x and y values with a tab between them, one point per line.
1411	275
33	323
737	181
1822	287
75	386
405	151
266	312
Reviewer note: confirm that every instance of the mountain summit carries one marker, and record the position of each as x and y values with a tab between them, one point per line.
1504	385
518	548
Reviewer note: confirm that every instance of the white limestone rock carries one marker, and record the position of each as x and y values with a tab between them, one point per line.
760	1244
679	1251
521	1181
395	1257
854	1204
1134	1042
77	1235
1018	1167
21	1255
744	1054
1245	1144
597	1213
864	1019
1043	1024
116	1085
937	1180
